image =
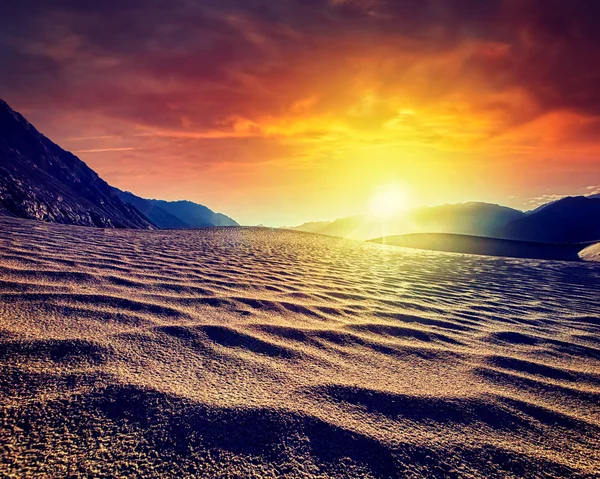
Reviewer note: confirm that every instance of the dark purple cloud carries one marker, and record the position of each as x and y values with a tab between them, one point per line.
169	63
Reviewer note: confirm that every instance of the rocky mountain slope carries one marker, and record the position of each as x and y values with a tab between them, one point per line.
40	180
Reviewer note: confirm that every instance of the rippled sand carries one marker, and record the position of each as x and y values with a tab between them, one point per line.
258	353
591	253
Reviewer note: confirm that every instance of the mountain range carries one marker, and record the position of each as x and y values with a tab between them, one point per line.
568	220
40	180
176	214
479	219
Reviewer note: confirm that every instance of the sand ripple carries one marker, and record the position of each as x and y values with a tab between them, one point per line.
256	353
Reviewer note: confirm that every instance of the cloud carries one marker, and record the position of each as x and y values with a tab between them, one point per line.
542	200
192	65
319	80
593	190
103	150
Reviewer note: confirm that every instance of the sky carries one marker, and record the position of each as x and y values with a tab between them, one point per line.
285	111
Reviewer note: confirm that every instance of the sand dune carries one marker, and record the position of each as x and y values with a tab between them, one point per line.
591	253
255	353
454	243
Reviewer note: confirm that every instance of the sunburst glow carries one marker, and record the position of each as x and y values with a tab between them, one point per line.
388	202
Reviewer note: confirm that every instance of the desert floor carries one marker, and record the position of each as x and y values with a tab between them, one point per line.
262	353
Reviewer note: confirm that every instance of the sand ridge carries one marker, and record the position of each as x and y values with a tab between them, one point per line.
249	352
591	253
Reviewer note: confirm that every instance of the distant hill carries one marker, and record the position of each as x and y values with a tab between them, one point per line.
484	246
312	227
569	220
344	227
545	205
479	219
195	215
176	214
154	213
40	180
467	218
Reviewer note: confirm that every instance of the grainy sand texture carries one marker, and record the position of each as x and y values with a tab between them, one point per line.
591	253
261	353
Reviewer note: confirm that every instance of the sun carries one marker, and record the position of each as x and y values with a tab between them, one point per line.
388	202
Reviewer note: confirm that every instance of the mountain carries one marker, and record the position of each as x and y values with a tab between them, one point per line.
40	180
350	227
154	213
484	246
311	227
545	205
176	214
195	215
479	219
574	219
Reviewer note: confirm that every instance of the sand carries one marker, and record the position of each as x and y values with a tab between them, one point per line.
591	253
485	246
262	353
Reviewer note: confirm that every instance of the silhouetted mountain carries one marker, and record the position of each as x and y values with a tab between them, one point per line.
312	227
479	219
484	246
344	227
569	220
40	180
176	214
154	213
193	214
545	205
